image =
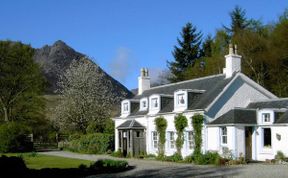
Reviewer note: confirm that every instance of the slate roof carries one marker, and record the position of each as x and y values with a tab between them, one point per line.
205	83
237	116
211	85
130	124
275	103
283	118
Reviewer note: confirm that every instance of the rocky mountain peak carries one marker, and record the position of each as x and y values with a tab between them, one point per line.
55	59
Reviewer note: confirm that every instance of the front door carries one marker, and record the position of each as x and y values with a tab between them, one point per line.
248	143
124	146
138	143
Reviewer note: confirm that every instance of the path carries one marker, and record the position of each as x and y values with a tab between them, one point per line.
152	168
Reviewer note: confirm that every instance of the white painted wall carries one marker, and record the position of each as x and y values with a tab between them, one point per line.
170	127
213	139
263	153
240	141
239	94
235	140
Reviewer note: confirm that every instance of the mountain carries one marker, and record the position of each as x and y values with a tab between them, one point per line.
55	59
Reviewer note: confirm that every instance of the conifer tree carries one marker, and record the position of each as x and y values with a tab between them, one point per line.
186	53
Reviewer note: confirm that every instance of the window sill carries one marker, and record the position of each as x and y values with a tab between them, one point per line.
267	150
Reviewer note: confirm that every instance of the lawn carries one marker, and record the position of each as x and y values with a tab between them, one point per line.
38	161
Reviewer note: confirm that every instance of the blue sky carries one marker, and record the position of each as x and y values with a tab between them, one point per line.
122	35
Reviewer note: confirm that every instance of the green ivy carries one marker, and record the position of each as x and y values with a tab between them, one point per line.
161	125
180	122
197	123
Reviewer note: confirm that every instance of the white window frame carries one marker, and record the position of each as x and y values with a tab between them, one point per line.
155	139
190	141
172	140
154	103
125	107
142	108
266	116
179	103
224	135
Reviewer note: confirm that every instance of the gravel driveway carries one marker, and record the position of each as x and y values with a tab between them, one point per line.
152	168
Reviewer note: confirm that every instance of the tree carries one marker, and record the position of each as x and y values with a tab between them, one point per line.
238	21
21	84
86	97
186	54
206	50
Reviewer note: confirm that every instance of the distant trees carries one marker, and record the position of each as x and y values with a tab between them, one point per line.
86	98
21	84
264	50
186	53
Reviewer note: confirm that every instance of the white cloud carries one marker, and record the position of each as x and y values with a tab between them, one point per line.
122	64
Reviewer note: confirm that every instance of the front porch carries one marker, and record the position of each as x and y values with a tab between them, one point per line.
132	138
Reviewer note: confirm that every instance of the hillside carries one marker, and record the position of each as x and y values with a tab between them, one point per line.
55	59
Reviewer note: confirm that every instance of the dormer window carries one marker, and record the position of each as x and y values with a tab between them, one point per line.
266	117
125	107
180	99
143	104
154	102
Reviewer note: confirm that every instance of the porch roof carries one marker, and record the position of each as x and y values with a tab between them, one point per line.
237	116
131	124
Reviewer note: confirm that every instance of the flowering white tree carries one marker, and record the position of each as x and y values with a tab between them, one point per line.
86	97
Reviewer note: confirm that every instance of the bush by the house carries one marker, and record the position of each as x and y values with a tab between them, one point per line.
117	154
280	156
207	158
97	143
13	137
109	163
176	157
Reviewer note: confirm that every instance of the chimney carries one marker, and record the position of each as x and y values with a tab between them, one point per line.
233	62
143	81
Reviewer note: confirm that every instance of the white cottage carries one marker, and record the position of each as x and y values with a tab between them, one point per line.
240	115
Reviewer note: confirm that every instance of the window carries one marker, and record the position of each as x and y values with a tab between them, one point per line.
266	117
224	135
190	139
125	107
155	139
171	140
180	99
154	102
144	105
267	137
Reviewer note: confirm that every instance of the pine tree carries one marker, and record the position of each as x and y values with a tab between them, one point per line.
186	53
238	21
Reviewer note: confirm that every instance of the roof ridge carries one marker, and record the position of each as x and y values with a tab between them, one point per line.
186	81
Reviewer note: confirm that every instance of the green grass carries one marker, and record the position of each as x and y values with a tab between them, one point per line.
38	161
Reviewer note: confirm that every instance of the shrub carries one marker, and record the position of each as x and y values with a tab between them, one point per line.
197	123
13	166
203	159
118	154
180	122
161	125
13	137
280	156
176	157
109	163
97	143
